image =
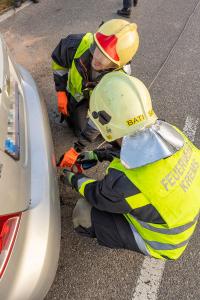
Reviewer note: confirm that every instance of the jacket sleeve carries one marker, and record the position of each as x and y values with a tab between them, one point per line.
108	194
62	58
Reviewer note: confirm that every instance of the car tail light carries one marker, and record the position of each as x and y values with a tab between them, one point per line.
8	230
12	142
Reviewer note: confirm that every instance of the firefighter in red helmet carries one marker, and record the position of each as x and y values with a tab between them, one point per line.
80	61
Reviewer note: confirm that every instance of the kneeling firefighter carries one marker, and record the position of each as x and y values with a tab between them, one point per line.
80	61
149	199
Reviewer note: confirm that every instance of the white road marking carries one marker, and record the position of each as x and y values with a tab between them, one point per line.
148	283
11	12
149	280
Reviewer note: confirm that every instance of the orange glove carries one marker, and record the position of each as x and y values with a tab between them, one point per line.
62	103
68	159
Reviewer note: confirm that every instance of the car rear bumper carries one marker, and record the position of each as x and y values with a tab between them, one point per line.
34	259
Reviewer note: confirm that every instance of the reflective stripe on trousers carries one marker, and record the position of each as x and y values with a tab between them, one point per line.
140	242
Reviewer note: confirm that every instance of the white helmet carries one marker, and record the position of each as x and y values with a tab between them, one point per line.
120	105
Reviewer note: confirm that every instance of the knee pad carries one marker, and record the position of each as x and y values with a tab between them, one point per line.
82	214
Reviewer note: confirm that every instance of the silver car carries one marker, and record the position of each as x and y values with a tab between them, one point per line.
29	200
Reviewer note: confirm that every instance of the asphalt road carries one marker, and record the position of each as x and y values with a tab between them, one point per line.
169	62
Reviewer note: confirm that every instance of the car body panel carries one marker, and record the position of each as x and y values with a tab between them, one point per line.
15	175
34	258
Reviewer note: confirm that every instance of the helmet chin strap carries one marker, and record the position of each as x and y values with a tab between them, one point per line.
104	70
159	141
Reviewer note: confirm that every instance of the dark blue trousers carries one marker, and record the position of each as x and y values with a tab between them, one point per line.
128	3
